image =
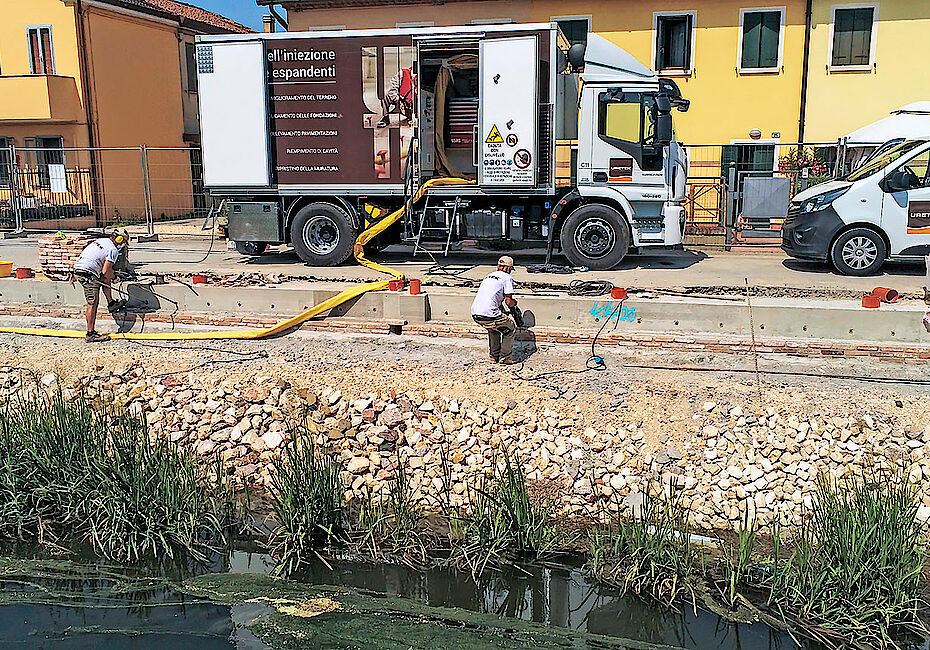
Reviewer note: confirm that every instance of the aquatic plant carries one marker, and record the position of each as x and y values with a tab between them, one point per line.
307	497
856	568
73	472
737	559
646	548
502	521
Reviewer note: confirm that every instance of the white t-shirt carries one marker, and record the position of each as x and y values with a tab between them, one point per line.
491	294
95	254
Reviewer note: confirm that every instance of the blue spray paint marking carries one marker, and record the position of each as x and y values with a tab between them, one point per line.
608	310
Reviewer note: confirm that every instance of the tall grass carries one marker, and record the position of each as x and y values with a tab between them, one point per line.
738	559
856	568
307	498
647	549
502	521
72	472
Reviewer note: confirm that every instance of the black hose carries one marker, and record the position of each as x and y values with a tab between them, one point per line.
589	287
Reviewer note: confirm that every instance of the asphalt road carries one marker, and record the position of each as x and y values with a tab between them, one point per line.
661	269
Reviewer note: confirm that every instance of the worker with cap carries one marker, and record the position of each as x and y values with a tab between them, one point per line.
495	291
94	270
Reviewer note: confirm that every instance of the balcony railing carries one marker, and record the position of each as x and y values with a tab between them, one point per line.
44	98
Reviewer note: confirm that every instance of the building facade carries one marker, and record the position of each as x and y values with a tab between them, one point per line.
79	78
756	71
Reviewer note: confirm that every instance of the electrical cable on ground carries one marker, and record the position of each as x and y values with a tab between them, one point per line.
549	268
589	287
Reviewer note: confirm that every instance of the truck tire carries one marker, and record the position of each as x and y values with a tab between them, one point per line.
595	236
323	234
859	251
251	248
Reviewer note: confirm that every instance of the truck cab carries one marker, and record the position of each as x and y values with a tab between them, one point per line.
879	211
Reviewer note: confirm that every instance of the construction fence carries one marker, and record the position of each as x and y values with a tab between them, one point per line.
139	188
738	192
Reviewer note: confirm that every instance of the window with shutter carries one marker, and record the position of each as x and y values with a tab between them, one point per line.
41	55
673	42
852	36
190	57
760	45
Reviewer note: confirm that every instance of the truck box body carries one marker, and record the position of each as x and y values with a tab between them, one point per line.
323	93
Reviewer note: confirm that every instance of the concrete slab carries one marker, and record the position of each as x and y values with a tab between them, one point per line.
842	320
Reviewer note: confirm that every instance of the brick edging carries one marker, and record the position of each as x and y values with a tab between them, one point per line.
910	354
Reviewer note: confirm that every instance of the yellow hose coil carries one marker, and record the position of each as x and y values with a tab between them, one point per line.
285	325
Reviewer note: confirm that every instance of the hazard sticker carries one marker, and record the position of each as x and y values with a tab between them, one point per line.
522	159
494	137
512	140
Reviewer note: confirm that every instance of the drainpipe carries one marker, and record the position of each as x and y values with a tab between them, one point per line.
281	20
805	67
96	182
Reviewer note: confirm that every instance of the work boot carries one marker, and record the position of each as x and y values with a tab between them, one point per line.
96	337
507	361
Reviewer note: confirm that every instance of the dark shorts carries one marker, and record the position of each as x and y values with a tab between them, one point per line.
91	285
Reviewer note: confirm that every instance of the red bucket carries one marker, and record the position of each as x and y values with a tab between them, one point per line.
885	294
415	287
24	273
871	302
395	284
199	279
618	293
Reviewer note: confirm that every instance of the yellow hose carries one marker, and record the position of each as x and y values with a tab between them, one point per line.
285	325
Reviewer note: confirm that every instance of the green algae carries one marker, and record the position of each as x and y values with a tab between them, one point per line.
369	621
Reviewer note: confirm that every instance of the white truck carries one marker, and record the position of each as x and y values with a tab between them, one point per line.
309	136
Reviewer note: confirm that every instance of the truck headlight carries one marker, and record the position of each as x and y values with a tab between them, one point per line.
822	201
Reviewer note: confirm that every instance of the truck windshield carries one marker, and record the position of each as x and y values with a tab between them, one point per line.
884	159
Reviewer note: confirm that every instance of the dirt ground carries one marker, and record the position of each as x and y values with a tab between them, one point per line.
637	387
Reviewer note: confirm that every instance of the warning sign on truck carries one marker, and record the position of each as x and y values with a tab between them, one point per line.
494	136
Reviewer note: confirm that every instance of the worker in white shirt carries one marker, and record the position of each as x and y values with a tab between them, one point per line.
94	270
497	290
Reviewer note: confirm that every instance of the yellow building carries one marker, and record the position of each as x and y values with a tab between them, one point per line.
740	62
81	77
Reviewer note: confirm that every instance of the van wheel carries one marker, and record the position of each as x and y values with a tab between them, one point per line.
595	236
251	248
859	251
323	234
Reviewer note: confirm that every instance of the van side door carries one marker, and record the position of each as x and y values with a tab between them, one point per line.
906	212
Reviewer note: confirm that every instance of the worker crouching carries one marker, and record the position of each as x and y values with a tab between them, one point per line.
94	269
496	290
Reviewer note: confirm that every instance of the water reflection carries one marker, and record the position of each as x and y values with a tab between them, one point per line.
560	596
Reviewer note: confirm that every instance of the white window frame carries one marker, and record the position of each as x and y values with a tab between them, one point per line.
775	141
416	23
781	40
51	44
586	17
873	37
491	21
655	41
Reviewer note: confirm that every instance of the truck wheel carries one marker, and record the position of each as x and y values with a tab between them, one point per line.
251	248
323	234
860	251
595	236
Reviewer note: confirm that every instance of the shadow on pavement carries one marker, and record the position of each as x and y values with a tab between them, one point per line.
900	267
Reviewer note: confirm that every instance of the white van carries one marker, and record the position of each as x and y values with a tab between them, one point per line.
879	211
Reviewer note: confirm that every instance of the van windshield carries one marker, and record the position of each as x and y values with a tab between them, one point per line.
884	159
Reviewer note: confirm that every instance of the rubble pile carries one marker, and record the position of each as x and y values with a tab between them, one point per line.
732	459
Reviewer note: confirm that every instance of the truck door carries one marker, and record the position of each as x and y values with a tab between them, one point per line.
508	110
906	213
233	114
617	139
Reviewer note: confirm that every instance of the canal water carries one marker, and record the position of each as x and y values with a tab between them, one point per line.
118	608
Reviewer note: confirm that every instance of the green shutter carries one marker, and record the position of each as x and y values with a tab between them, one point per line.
842	37
752	33
768	42
852	36
862	36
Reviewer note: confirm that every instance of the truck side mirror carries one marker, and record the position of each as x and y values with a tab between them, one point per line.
664	128
897	181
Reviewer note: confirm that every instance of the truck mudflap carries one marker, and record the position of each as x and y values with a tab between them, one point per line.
674	218
555	215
